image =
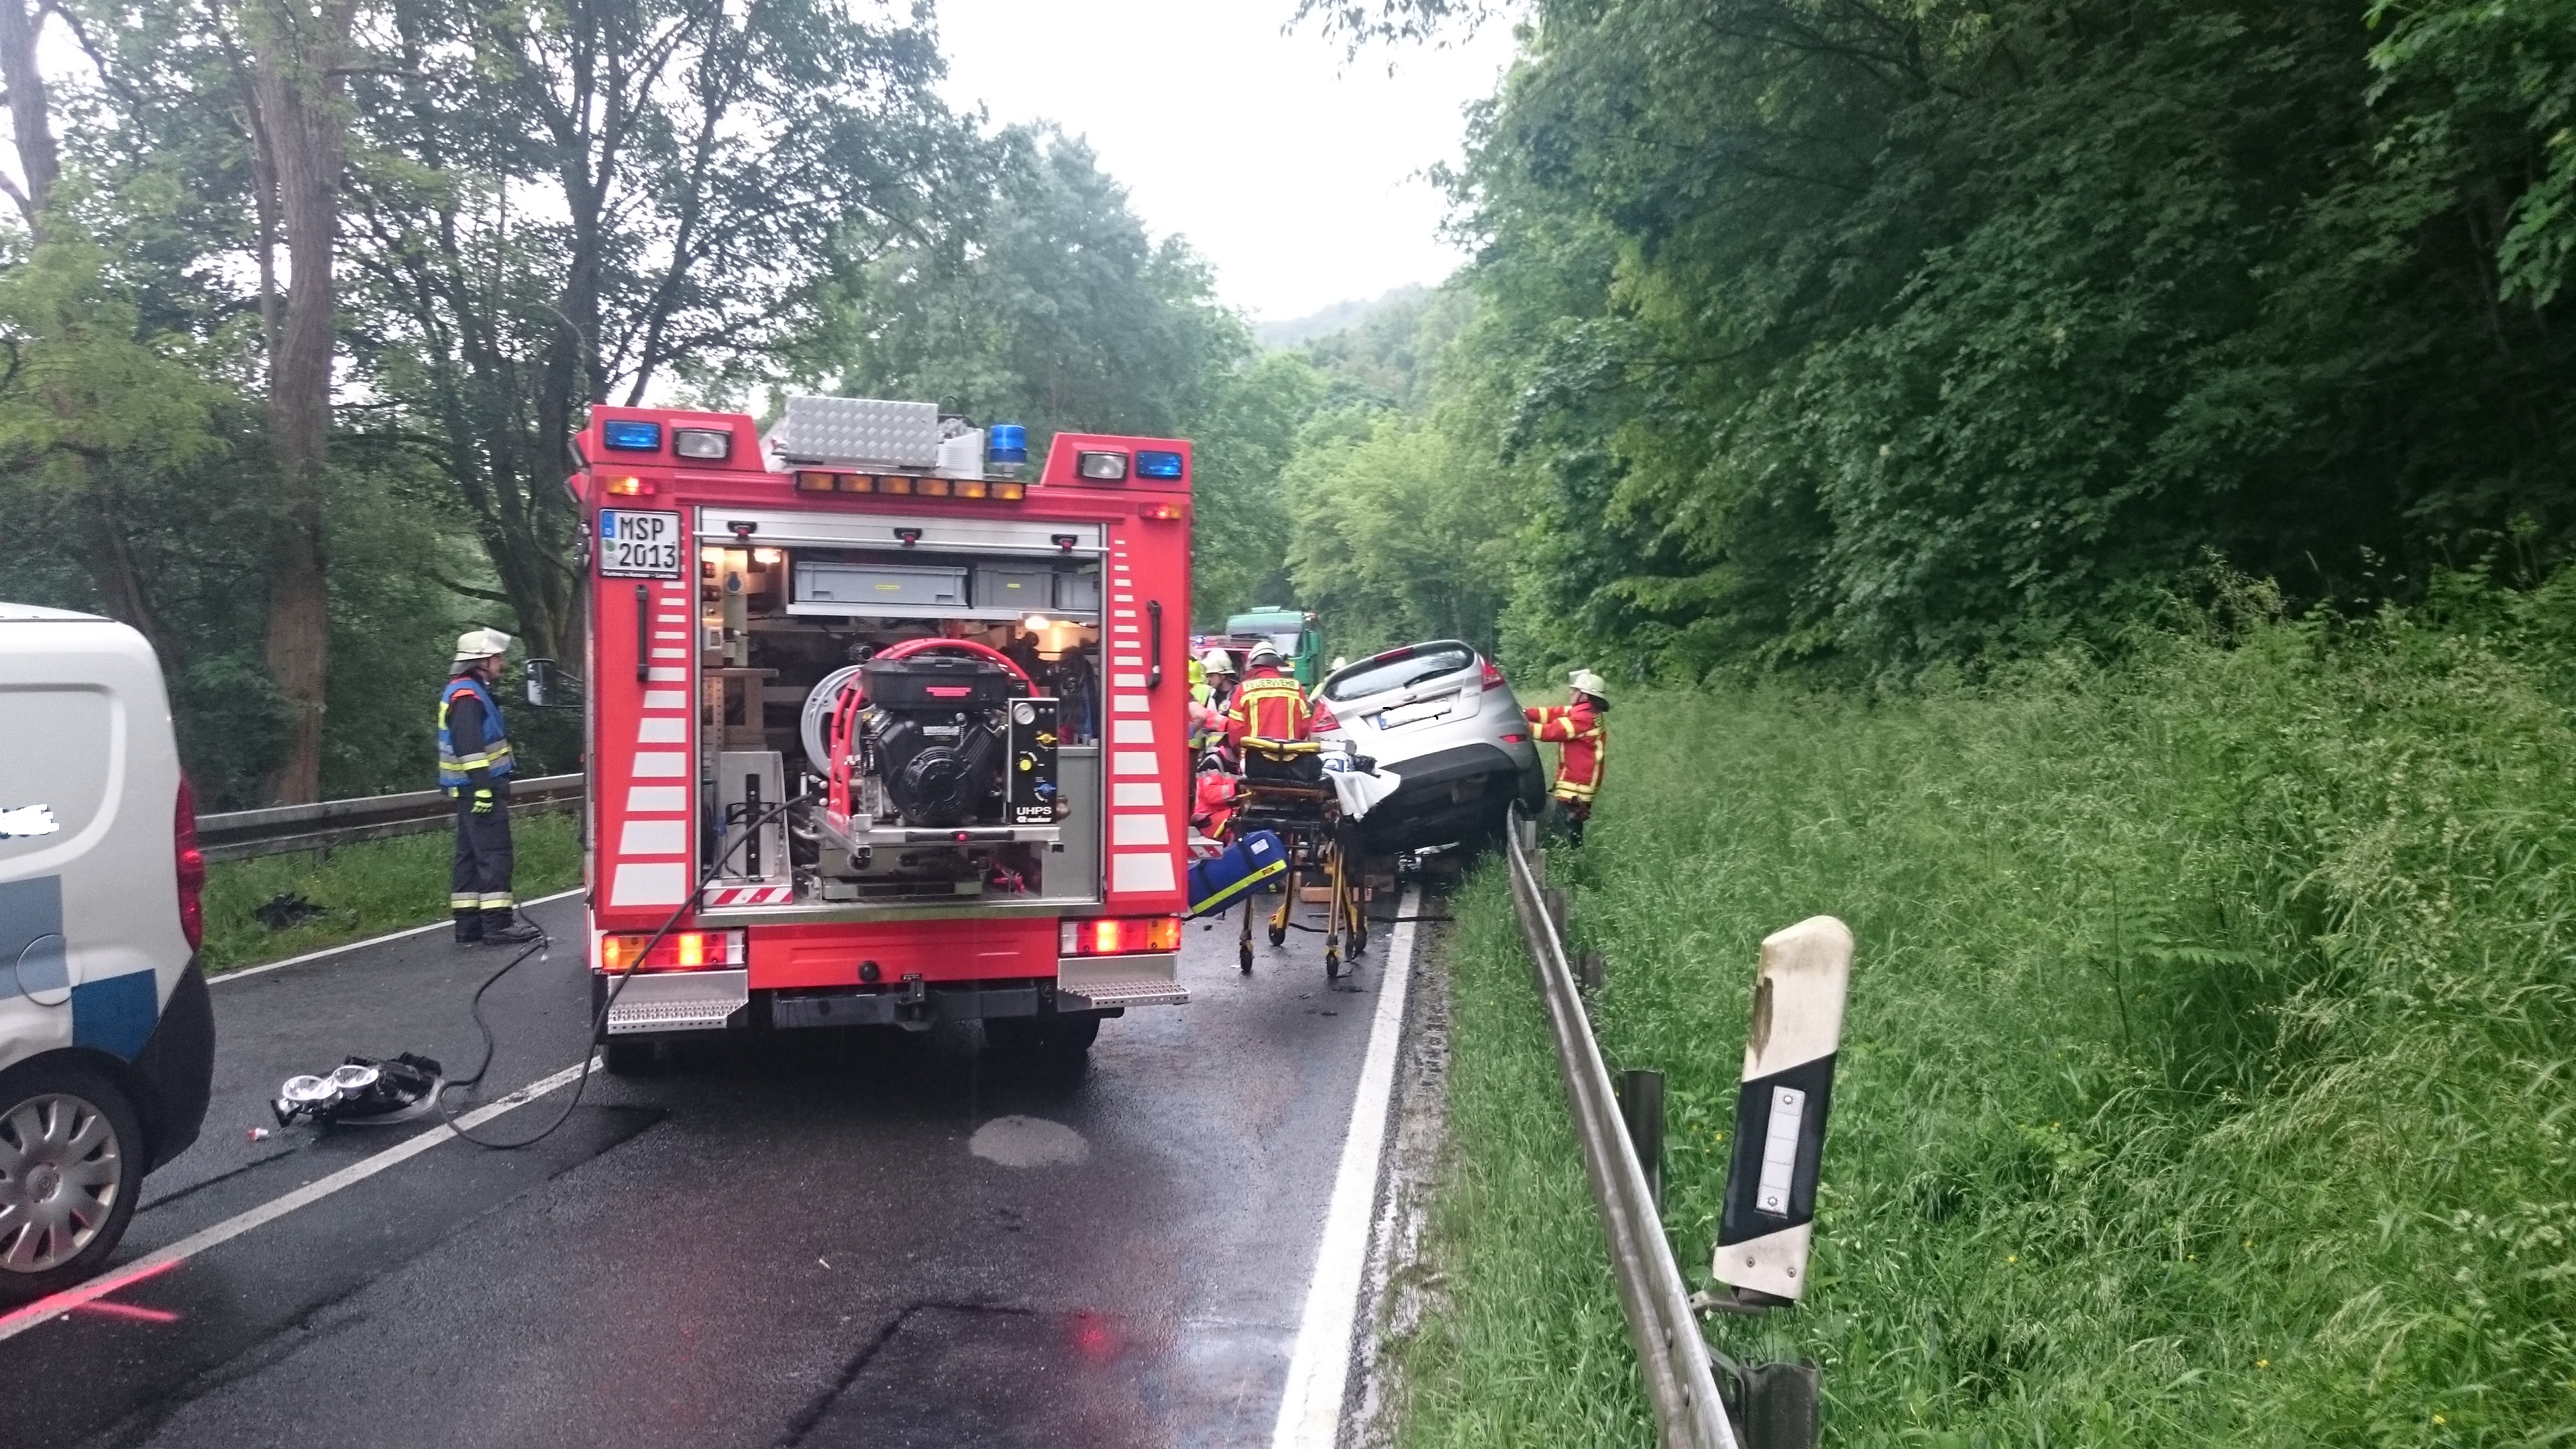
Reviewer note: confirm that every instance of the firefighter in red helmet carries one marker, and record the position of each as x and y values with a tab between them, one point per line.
1580	728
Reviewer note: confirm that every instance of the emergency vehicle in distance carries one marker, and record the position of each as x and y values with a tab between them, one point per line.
897	734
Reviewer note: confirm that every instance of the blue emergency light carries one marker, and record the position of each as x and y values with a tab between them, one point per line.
1009	443
1153	464
631	435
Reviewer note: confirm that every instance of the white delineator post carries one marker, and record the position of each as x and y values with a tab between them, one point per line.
1767	1223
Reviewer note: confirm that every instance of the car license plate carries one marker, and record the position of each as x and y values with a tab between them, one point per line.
635	545
1416	712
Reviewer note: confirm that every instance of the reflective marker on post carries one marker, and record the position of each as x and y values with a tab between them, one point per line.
1764	1231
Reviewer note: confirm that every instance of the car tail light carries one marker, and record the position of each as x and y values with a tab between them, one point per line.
1325	719
678	951
1493	677
192	867
1117	936
1515	739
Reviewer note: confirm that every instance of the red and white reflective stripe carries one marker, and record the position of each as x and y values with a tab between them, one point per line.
651	866
765	895
1138	813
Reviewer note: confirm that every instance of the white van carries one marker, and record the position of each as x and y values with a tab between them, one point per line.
107	1036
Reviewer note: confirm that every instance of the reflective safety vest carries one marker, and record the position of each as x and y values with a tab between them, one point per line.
1269	707
490	754
1586	738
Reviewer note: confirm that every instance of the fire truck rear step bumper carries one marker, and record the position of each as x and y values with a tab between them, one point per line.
1145	991
1121	981
678	1001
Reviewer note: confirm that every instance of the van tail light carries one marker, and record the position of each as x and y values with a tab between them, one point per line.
678	951
1493	677
192	867
1114	936
1325	719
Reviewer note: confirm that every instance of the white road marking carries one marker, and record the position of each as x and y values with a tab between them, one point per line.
349	946
47	1309
1319	1369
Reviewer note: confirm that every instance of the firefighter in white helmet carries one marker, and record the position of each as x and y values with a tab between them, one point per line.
1210	693
474	766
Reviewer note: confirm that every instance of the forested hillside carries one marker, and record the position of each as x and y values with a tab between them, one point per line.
1858	338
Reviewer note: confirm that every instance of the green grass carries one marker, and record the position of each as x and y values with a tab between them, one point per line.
2206	1078
366	889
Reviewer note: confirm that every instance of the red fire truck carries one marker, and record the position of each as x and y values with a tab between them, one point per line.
881	732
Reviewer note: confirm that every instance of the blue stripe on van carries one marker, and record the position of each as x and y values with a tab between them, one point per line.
116	1015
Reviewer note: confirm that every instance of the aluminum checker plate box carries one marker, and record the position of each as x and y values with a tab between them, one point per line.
859	430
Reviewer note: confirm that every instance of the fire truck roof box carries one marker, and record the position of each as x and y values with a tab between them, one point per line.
859	430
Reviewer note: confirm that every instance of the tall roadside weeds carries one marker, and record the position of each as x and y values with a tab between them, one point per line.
2207	1076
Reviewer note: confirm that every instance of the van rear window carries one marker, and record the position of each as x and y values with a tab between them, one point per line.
1414	666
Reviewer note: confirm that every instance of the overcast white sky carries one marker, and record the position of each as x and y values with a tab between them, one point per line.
1297	175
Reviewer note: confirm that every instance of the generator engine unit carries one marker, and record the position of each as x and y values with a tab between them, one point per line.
936	740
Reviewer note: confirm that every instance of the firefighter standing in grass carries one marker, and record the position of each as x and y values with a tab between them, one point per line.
474	767
1579	727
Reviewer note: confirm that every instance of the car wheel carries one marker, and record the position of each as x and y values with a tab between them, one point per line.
71	1165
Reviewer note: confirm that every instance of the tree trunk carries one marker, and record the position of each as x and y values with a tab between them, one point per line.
295	52
31	124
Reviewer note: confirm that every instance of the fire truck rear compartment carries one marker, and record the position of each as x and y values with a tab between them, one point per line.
784	628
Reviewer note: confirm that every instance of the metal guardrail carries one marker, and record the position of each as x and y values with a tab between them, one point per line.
1680	1378
280	829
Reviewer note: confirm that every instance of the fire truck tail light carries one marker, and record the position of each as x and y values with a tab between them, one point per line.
813	482
894	485
931	487
1114	936
857	483
629	487
1010	492
678	951
970	487
712	444
1167	512
1103	467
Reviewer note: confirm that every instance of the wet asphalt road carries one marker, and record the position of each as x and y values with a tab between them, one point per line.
782	1244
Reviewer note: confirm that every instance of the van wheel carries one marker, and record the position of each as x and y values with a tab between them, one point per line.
71	1166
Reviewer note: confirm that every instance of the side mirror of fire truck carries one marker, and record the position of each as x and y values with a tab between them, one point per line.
549	687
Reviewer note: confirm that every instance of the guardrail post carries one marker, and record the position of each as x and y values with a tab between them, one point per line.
1591	971
1641	1107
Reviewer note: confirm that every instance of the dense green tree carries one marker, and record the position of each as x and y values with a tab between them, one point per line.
563	206
1035	296
1873	335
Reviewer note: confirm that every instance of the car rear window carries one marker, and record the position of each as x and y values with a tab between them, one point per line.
1417	666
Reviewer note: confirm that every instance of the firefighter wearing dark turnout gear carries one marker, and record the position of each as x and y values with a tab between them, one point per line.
474	766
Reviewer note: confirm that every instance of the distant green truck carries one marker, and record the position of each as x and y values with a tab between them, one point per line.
1298	637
